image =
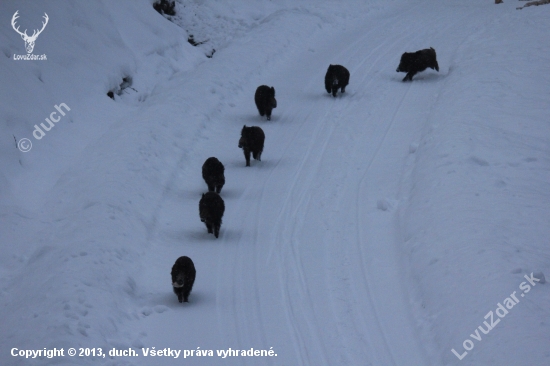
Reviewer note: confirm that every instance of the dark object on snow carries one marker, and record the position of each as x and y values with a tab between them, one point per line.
212	173
211	209
252	140
536	3
192	42
337	77
119	90
183	276
165	7
413	62
265	100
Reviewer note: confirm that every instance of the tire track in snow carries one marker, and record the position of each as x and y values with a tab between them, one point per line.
293	313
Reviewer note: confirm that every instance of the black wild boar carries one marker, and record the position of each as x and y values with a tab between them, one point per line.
211	209
337	77
252	140
413	62
183	276
212	173
265	100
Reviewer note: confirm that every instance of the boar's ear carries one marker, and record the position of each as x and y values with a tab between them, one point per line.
203	194
273	90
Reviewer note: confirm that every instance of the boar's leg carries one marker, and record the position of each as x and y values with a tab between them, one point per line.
247	156
409	76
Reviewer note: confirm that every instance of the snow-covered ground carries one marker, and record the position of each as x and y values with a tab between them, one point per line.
382	227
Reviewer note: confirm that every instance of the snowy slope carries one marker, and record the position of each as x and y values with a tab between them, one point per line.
379	228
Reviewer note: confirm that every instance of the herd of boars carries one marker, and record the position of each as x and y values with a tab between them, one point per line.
212	206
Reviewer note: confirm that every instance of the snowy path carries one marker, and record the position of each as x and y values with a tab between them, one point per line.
329	286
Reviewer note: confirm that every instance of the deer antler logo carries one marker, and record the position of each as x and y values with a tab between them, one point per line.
29	41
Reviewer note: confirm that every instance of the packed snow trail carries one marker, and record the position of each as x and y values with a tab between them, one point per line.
308	259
